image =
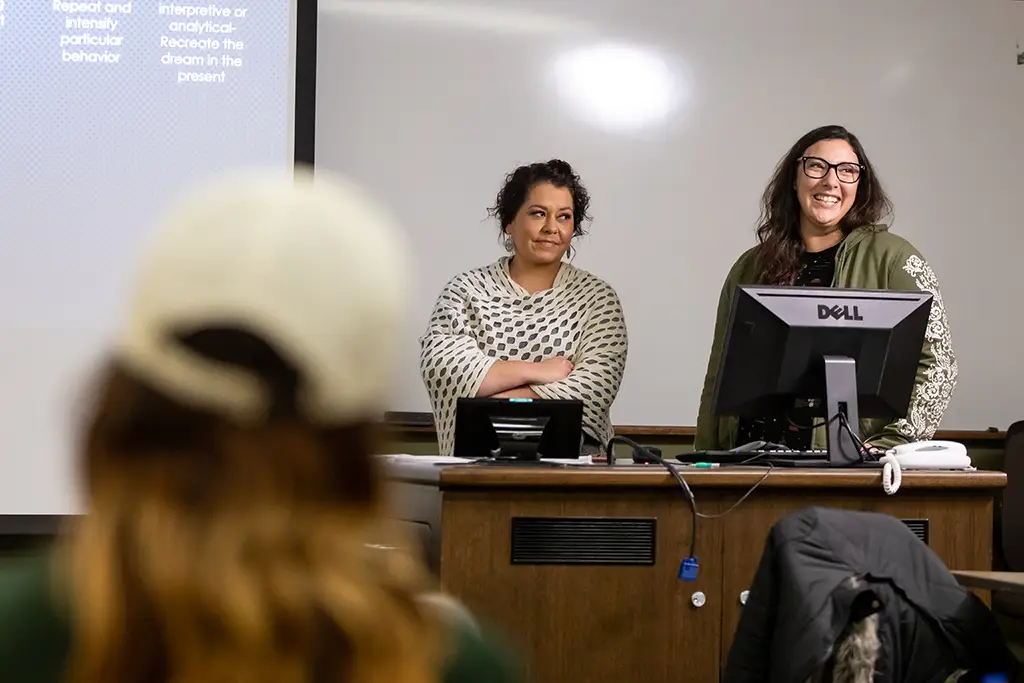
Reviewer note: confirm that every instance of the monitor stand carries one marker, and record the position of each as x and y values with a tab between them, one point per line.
841	449
518	441
841	399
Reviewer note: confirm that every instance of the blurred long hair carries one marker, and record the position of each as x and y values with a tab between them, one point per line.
217	552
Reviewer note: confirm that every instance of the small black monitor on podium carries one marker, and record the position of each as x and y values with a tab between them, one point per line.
517	430
846	353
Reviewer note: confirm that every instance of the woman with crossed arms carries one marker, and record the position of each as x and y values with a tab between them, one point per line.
529	325
821	227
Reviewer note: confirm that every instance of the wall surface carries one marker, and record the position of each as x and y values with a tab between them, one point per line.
675	113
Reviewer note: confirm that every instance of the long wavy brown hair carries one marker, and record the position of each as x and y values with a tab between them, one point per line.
216	552
778	232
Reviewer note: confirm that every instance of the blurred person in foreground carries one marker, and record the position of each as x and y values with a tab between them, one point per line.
236	509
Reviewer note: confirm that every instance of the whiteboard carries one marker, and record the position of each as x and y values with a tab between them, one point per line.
675	112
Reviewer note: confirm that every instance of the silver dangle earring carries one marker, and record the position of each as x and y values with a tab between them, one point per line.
508	244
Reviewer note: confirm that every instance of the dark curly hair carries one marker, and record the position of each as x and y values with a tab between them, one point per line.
518	183
778	231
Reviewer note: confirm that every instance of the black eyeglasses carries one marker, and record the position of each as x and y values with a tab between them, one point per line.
817	168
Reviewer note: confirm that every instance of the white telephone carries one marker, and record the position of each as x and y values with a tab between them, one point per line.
922	455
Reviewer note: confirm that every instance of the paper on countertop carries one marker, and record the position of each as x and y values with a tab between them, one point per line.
425	459
582	460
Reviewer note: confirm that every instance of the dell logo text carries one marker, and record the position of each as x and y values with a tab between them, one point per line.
838	312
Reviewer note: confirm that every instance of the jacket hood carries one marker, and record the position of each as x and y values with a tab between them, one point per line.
857	235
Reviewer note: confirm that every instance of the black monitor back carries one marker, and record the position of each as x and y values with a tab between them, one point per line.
777	338
521	429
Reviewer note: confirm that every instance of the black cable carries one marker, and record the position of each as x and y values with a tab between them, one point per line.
804	428
862	447
743	497
687	491
794	425
844	423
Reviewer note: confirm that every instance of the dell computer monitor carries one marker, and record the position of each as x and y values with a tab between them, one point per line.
518	429
848	351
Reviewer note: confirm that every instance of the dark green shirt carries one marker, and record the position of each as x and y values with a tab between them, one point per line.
35	633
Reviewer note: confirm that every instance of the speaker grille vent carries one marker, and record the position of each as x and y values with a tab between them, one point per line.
919	527
583	540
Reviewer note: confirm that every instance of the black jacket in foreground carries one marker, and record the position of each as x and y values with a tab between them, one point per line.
837	589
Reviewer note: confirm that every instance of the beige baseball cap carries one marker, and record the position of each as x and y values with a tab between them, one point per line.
313	266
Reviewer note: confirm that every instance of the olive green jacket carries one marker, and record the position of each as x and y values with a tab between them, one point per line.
869	258
35	633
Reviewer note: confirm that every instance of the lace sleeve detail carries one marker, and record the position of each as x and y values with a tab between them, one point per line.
937	379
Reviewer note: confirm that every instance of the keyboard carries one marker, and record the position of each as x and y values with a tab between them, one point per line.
756	457
773	457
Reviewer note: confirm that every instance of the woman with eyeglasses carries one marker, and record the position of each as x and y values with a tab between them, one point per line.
821	226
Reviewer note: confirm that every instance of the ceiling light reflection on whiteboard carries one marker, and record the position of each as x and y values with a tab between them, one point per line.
898	75
617	88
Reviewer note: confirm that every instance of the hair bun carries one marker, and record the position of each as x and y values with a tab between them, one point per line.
560	166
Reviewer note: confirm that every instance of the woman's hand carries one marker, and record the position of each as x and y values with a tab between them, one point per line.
507	375
872	451
519	392
551	370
